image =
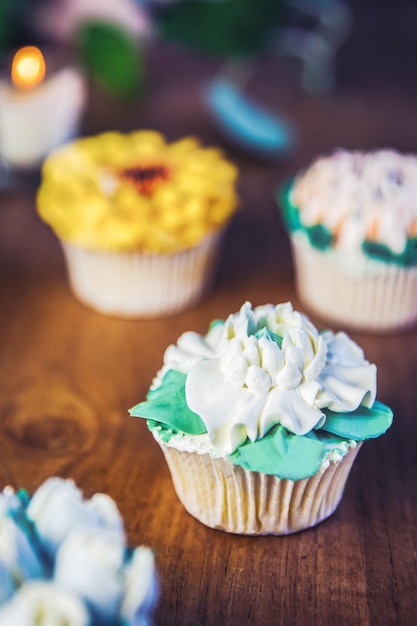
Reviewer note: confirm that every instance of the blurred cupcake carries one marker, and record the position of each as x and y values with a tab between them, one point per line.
261	419
352	220
64	560
140	220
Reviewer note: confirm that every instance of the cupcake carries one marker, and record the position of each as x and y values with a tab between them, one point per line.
140	221
260	419
352	220
64	560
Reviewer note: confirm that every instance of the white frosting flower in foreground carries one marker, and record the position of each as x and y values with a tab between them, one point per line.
89	563
140	590
57	507
64	560
18	560
41	602
267	366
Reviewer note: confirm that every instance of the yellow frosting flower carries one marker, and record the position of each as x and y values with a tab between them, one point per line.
135	191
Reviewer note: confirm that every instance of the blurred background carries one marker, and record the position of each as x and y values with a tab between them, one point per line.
320	54
273	82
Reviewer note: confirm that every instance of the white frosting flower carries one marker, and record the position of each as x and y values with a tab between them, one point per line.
7	587
9	502
57	507
140	588
267	366
18	560
41	603
89	562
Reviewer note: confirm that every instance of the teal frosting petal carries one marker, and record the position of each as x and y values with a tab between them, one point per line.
167	404
361	424
268	334
282	454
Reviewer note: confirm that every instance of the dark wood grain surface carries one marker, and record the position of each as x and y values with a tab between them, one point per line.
69	375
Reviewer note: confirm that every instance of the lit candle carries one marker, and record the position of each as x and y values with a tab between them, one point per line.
38	112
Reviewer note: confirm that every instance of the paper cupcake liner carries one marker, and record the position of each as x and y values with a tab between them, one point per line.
138	284
228	497
363	295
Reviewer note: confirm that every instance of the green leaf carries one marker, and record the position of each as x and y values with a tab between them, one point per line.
361	424
167	404
229	28
111	57
282	454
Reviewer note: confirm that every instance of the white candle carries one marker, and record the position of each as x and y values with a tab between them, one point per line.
37	112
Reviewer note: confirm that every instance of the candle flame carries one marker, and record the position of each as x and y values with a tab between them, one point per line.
28	67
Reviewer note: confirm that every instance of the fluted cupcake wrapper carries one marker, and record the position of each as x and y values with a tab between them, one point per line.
230	498
138	284
363	295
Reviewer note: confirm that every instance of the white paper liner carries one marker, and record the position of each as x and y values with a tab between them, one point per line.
138	284
228	497
361	293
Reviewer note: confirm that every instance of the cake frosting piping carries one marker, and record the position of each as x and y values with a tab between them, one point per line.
362	203
136	191
265	383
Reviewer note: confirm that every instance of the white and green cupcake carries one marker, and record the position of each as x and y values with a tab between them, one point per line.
352	220
261	419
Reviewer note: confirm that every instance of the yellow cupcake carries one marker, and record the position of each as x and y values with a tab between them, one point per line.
139	199
102	191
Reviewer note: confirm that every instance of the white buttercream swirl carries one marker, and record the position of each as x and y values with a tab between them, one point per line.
361	196
241	381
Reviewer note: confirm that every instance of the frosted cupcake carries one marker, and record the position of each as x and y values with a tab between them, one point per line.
260	420
352	219
140	220
64	560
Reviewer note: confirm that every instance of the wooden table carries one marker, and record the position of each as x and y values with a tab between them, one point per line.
69	375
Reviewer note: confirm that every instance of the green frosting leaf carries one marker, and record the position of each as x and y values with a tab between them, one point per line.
167	404
320	237
282	454
381	252
361	424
